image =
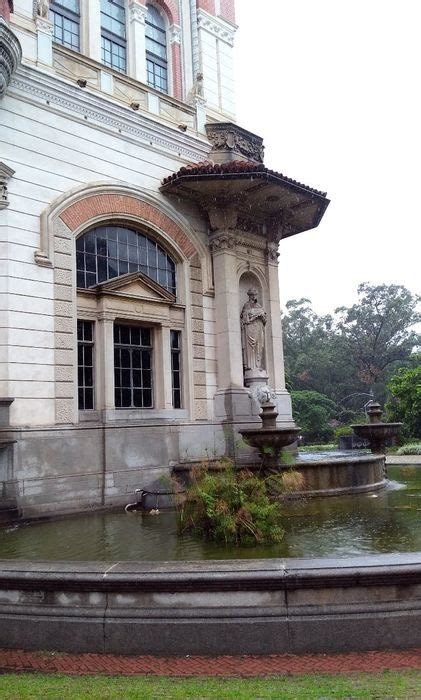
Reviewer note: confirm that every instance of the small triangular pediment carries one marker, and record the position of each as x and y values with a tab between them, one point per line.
136	284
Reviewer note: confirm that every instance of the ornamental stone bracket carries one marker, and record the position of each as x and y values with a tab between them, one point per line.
137	12
218	27
5	174
10	55
175	34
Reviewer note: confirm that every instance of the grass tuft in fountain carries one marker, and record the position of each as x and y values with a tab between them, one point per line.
234	506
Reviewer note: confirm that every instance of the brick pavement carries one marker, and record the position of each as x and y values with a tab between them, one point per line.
225	666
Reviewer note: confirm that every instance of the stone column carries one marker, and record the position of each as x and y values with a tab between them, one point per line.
166	368
10	48
137	41
227	301
105	399
175	47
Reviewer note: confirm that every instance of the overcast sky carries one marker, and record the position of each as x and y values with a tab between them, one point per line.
334	88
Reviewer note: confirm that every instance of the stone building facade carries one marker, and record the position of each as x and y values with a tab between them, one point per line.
120	349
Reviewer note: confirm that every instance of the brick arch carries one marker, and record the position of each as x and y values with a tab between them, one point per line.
170	8
117	205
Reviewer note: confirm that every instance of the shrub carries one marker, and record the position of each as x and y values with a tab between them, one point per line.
410	449
343	431
235	506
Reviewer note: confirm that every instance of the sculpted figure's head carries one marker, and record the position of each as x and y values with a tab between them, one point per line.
252	295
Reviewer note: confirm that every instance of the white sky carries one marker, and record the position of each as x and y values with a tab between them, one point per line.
334	88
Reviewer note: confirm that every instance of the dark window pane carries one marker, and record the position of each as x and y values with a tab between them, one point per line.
147	398
123	267
126	397
135	336
125	335
137	398
125	358
146	336
102	269
117	396
137	378
126	378
136	359
91	279
146	379
89	399
146	359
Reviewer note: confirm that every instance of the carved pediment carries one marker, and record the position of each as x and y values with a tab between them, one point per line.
136	285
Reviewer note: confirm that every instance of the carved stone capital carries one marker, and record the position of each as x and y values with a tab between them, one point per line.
272	253
222	242
137	12
44	25
5	174
216	26
175	34
10	55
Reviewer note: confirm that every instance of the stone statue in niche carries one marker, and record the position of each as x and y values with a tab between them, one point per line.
253	320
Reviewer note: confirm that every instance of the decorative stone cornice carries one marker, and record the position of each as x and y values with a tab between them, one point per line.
137	12
10	55
5	174
175	34
217	26
42	89
222	242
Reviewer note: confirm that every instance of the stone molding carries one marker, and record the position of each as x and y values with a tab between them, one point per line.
233	240
5	174
50	89
216	26
10	55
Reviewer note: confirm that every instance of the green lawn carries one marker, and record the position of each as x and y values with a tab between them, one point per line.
387	685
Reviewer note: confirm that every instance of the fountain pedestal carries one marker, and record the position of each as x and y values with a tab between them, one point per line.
375	431
270	438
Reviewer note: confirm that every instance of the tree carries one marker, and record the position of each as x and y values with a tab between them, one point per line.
312	412
405	402
377	331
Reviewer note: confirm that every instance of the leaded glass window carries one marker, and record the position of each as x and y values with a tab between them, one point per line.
106	252
85	364
175	339
113	34
65	16
133	367
156	50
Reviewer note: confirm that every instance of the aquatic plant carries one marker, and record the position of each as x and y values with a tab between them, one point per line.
234	506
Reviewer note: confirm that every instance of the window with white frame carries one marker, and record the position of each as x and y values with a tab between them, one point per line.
113	34
156	50
65	16
85	364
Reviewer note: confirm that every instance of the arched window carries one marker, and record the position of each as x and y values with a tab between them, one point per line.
113	34
156	50
111	251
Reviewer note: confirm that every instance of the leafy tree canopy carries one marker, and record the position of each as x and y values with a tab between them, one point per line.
405	402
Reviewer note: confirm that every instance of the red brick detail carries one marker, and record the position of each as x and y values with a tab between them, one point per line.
176	71
6	7
207	5
117	205
171	10
17	660
228	10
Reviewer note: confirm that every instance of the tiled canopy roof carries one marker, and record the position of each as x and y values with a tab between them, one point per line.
236	167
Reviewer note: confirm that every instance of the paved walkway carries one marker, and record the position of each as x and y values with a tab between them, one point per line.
234	666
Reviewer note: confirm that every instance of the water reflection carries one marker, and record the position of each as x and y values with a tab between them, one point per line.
387	521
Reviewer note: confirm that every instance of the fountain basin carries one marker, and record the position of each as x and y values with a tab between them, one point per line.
377	434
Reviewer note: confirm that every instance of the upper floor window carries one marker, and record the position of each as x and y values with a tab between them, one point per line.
113	34
156	50
110	251
65	15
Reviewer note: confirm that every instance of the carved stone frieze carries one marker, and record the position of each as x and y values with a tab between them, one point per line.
235	142
10	55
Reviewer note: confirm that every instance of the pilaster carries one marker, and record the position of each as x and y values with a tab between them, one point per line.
91	29
137	41
105	356
44	41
